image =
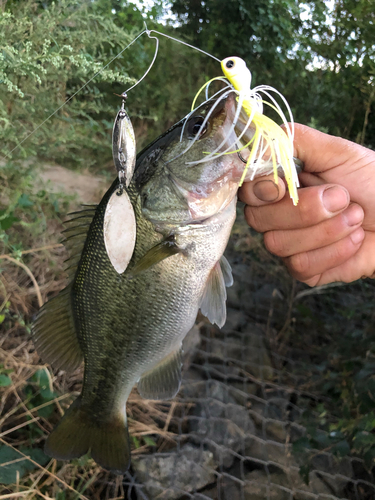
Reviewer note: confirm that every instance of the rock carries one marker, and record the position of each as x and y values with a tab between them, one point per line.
242	391
326	462
222	437
236	320
228	488
189	345
223	428
241	273
260	486
257	409
276	430
191	376
204	496
209	493
269	452
280	408
319	483
288	476
223	372
240	296
208	389
277	409
220	349
171	474
258	360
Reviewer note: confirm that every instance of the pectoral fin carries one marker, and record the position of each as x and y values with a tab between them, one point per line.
164	380
156	254
213	304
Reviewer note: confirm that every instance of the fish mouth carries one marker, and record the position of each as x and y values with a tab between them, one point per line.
178	189
205	201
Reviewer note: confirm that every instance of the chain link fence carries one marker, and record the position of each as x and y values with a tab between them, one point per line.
277	405
257	406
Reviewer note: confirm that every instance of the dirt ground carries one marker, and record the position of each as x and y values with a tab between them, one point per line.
88	188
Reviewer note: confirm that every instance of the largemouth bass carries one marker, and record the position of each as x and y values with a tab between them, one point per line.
128	328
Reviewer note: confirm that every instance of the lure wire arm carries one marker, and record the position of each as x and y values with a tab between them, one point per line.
152	62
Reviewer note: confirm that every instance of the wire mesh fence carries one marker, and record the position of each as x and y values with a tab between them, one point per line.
260	413
237	419
278	404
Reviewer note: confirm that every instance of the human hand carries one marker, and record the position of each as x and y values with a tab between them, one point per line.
330	235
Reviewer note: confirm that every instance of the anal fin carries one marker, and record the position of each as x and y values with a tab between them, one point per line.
213	304
227	271
54	333
164	380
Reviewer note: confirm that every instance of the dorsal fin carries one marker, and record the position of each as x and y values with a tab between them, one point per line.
75	236
54	331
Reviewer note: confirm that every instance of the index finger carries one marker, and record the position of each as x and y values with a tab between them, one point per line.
321	152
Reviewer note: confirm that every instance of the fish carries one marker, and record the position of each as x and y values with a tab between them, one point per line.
128	325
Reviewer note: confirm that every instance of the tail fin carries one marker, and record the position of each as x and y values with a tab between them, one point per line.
77	433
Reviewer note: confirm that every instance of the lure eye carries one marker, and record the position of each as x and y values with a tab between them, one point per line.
194	127
229	64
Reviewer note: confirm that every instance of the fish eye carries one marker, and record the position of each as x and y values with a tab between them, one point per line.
194	127
229	64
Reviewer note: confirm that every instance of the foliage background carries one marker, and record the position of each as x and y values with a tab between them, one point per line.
319	54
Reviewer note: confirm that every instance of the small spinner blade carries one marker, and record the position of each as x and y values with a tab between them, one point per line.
123	146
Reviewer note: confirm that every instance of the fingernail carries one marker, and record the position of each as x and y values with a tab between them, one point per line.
335	199
266	190
357	236
353	215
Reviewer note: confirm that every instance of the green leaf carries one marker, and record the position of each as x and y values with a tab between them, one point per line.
136	442
369	457
149	441
17	463
2	317
24	201
341	448
4	380
364	439
302	444
8	221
